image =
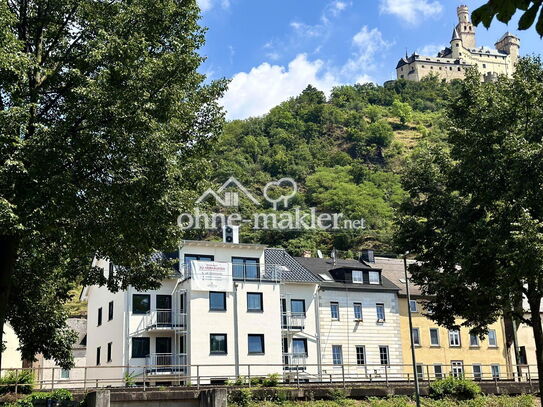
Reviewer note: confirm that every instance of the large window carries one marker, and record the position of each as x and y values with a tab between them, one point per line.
299	347
99	316
64	373
438	371
358	277
297	307
254	302
334	311
141	303
196	257
492	339
217	301
383	355
110	311
416	336
473	340
337	355
420	371
454	338
360	355
477	372
380	310
256	343
164	302
357	309
457	367
413	305
245	268
495	371
217	344
434	337
141	347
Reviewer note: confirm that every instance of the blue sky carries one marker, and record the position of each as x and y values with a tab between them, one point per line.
272	49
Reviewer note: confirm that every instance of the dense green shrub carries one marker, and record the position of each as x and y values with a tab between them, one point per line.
451	387
395	401
20	380
61	396
241	397
271	381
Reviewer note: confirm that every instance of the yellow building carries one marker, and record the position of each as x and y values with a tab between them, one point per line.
441	352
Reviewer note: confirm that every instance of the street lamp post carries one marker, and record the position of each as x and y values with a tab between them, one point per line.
414	360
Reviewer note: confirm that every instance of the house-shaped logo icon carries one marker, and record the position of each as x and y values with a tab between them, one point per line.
230	199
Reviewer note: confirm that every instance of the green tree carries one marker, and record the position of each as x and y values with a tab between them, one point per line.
103	118
403	111
474	216
504	10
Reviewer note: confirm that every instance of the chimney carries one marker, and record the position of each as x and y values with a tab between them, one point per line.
367	256
230	234
306	253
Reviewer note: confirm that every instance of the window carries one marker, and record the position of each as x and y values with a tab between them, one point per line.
141	303
523	360
196	257
110	311
473	340
217	301
334	310
140	347
484	65
337	355
164	302
416	336
374	277
256	343
297	307
98	356
438	371
64	373
245	268
477	372
434	337
99	316
380	309
299	347
360	355
254	302
383	355
217	344
357	308
413	305
109	346
358	277
420	371
492	340
495	371
454	338
457	368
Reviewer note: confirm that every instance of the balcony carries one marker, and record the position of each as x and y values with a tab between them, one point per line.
164	320
244	271
294	361
293	321
166	363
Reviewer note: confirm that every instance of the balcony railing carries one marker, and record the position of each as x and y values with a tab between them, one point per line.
244	271
166	363
293	321
293	361
165	319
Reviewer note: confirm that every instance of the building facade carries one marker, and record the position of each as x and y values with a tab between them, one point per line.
463	53
440	352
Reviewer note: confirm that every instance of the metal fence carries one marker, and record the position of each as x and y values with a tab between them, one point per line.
168	370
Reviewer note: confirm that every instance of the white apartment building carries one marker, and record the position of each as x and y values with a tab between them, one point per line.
228	310
359	320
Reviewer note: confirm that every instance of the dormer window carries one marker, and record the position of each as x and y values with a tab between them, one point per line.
374	277
358	277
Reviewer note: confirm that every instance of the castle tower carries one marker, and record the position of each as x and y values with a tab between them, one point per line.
456	44
510	44
465	28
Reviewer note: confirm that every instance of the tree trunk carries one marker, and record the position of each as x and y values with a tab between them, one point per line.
538	338
8	256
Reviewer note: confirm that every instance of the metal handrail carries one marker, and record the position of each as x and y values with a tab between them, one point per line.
244	272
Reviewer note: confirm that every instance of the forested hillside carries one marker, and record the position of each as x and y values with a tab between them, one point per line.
345	152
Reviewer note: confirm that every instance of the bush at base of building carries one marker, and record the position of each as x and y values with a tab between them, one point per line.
450	387
17	381
59	397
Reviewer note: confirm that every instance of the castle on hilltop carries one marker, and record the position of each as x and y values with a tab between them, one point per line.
463	53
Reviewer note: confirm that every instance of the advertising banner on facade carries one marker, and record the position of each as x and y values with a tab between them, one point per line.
211	276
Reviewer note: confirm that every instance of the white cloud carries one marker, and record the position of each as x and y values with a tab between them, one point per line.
367	43
206	5
431	50
411	10
255	92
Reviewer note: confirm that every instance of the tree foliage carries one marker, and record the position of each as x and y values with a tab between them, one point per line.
103	120
504	10
474	215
